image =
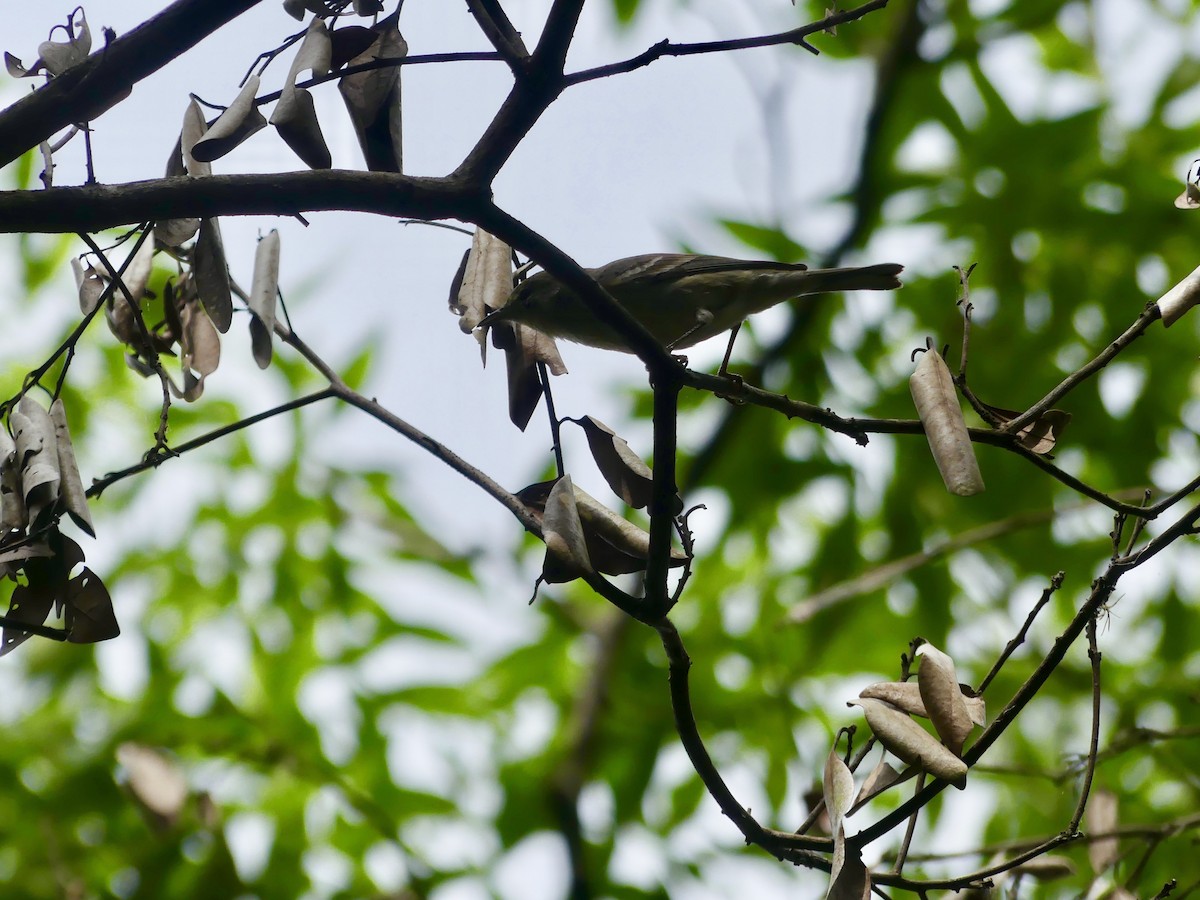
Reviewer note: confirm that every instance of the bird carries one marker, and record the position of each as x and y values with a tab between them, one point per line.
680	298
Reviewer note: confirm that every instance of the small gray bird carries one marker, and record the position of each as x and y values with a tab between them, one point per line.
680	298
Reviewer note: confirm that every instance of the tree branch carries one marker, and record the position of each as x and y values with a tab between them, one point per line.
95	207
667	48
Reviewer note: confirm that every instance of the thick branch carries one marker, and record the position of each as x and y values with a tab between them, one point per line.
95	207
108	75
495	25
781	844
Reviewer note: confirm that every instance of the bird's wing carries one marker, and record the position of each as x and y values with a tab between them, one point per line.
660	268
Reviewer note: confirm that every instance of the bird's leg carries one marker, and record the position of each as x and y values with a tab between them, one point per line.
703	317
723	371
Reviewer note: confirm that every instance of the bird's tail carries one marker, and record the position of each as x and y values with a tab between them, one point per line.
882	277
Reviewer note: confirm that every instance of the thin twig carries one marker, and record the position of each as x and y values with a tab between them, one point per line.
555	426
55	634
912	827
1094	747
1010	648
154	461
1149	315
888	572
667	48
135	311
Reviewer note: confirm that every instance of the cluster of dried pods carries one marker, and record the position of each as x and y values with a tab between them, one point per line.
39	483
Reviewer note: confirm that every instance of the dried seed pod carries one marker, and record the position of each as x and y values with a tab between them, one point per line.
1179	299
937	405
938	684
838	788
910	742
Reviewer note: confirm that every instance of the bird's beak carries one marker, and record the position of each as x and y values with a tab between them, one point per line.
503	314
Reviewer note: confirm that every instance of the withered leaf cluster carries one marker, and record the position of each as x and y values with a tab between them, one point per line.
39	483
483	283
889	708
196	308
370	92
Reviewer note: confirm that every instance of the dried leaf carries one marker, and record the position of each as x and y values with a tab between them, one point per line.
301	130
73	493
566	550
194	128
240	120
30	605
524	382
59	56
910	742
262	297
37	458
626	473
1179	299
12	503
212	275
838	787
173	232
125	305
882	777
199	342
295	9
848	877
137	272
1041	434
937	405
1101	817
603	526
1189	199
350	41
615	545
523	349
46	583
487	281
906	696
17	69
90	284
89	610
295	117
193	387
155	780
938	684
373	98
35	550
367	7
